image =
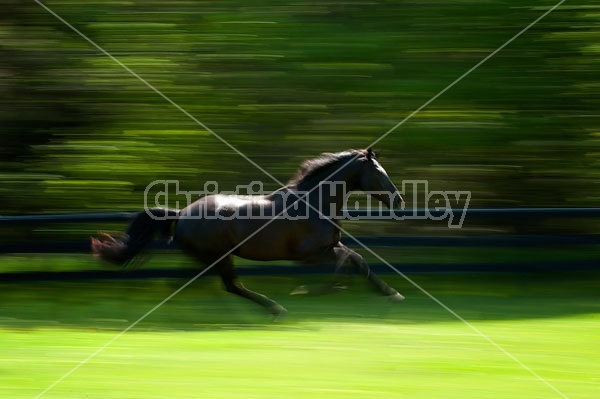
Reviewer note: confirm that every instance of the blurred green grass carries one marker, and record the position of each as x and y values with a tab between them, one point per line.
207	343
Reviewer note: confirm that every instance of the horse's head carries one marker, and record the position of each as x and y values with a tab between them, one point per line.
375	181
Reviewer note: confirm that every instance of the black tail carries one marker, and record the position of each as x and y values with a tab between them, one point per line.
142	229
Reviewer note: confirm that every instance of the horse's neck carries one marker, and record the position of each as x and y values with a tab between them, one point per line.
324	191
327	196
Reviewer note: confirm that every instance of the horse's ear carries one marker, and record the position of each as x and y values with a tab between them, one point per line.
369	153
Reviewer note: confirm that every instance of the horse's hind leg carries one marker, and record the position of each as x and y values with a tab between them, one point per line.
347	255
233	285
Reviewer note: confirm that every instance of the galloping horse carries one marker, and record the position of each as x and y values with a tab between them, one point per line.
298	222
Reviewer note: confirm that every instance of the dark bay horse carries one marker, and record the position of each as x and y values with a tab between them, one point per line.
299	222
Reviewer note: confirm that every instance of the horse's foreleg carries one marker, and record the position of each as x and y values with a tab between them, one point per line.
234	286
346	255
340	277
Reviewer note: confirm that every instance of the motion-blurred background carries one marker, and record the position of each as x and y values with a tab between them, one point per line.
285	81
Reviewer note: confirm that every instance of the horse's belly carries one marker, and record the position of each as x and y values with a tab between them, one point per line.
284	242
266	248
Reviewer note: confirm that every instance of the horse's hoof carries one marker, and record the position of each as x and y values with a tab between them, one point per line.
278	312
300	290
397	297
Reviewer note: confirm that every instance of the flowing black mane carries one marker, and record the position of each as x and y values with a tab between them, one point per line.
313	167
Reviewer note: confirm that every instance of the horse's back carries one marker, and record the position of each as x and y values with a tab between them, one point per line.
220	223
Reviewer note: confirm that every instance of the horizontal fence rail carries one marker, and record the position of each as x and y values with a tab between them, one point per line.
533	240
370	241
492	213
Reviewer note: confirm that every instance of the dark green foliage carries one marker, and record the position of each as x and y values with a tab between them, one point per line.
286	81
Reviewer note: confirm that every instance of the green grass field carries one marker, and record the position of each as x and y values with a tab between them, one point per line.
207	343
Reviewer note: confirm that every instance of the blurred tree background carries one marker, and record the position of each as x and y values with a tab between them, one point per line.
285	81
